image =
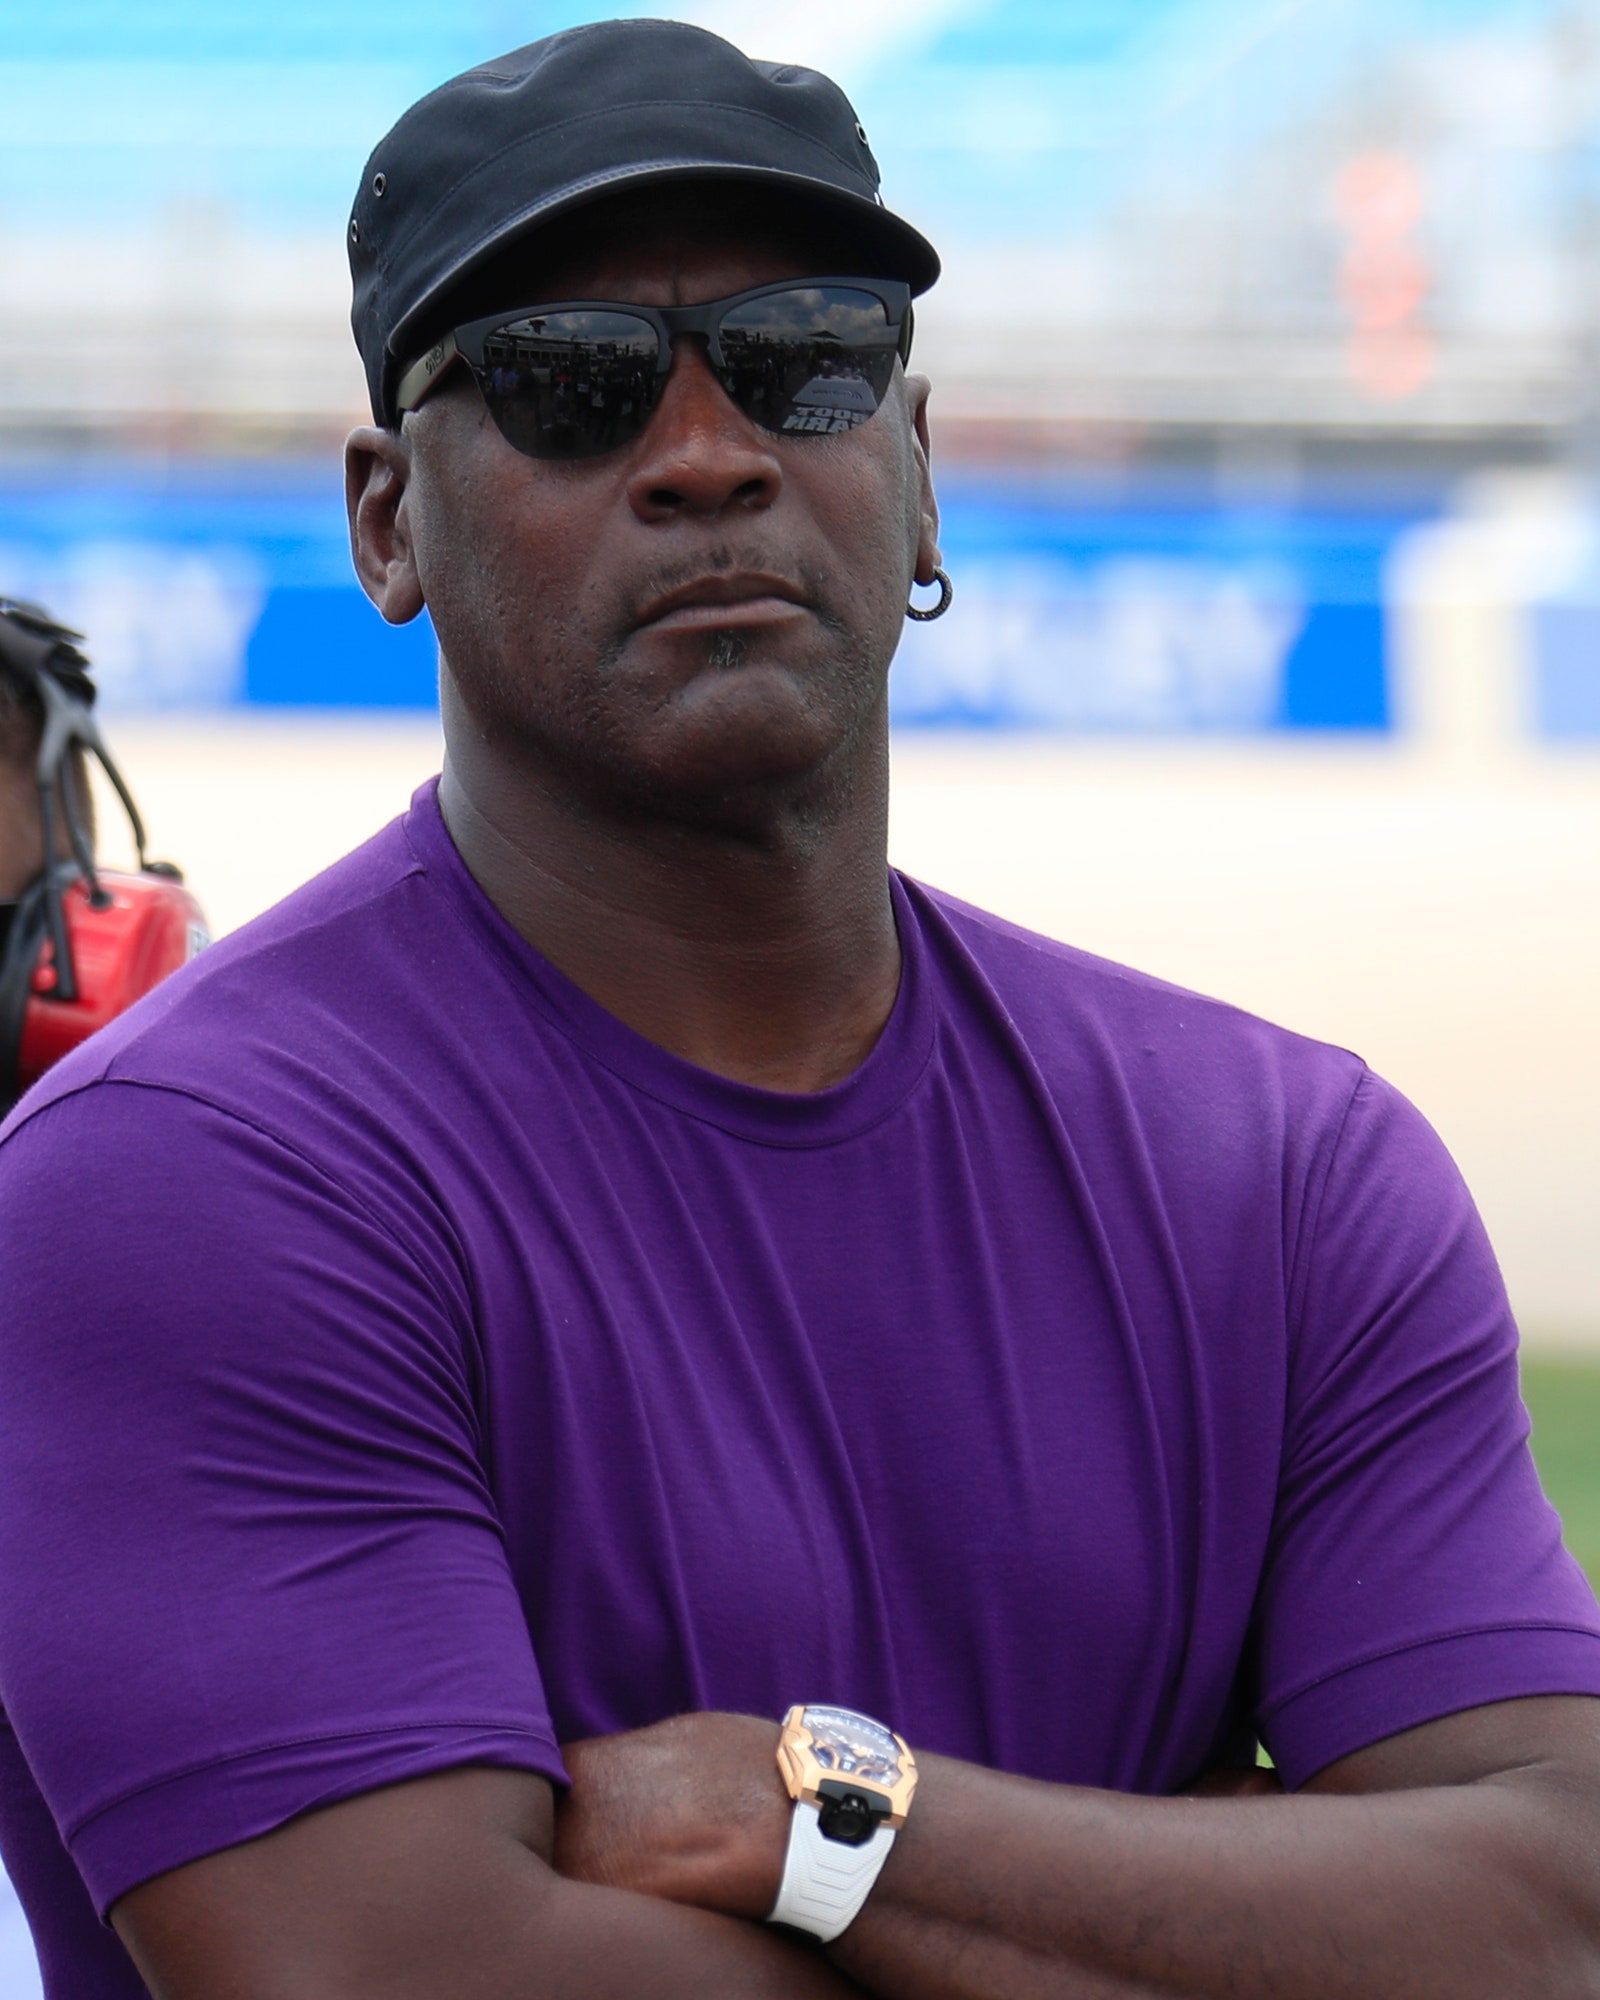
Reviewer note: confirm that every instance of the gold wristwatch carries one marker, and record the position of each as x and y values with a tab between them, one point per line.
851	1780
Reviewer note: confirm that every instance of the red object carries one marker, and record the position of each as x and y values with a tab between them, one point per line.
150	926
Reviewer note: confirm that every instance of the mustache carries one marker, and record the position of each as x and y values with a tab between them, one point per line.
661	579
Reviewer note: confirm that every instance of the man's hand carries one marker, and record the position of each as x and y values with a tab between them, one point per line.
692	1810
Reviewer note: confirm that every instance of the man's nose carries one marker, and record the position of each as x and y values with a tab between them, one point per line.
701	455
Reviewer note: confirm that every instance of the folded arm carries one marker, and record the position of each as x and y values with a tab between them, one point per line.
441	1886
1459	1861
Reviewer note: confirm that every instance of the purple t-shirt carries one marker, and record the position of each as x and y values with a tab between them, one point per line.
407	1365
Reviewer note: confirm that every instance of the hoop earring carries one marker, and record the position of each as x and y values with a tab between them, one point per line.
947	590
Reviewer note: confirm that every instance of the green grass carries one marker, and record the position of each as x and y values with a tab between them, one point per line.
1564	1398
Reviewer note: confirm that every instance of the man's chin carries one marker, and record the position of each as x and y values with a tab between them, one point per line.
743	749
731	737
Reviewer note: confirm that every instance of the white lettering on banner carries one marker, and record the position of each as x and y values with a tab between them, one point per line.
167	625
1129	643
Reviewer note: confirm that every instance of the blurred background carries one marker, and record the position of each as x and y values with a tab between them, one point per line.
1267	418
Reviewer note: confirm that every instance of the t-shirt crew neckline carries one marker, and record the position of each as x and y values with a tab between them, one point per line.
768	1117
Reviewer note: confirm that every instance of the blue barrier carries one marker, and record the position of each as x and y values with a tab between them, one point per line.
1164	612
1566	665
206	585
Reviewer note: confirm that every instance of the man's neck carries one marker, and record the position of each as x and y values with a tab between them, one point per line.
767	954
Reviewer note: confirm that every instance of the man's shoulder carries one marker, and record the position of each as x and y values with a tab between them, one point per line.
1098	1032
1057	981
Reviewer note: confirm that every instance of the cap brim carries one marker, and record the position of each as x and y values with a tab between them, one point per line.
899	250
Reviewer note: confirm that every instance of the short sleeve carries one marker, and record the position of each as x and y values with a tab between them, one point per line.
1415	1568
250	1554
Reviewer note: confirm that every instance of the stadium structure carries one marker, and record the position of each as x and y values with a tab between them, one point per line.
1253	226
1236	293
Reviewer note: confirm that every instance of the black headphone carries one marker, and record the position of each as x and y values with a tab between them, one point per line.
82	943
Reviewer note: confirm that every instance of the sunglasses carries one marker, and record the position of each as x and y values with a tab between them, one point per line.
580	378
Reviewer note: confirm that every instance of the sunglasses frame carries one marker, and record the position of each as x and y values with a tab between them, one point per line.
466	343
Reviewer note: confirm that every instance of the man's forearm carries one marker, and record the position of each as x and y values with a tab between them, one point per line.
439	1887
602	1943
1456	1861
1000	1889
607	1944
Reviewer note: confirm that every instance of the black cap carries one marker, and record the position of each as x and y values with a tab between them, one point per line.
547	128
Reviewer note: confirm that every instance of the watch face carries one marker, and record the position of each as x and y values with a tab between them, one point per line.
847	1745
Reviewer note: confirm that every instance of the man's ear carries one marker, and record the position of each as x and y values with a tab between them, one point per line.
928	555
377	474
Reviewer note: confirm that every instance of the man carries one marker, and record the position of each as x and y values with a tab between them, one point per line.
608	1264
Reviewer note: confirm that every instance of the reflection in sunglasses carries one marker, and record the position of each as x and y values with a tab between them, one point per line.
576	381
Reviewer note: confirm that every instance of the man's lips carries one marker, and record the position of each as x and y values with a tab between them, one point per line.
726	599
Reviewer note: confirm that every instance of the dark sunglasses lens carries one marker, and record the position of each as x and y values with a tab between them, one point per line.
570	384
816	359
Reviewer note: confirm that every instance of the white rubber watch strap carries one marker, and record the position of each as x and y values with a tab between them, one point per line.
825	1882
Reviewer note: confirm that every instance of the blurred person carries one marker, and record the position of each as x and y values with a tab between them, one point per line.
30	643
610	1265
78	943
